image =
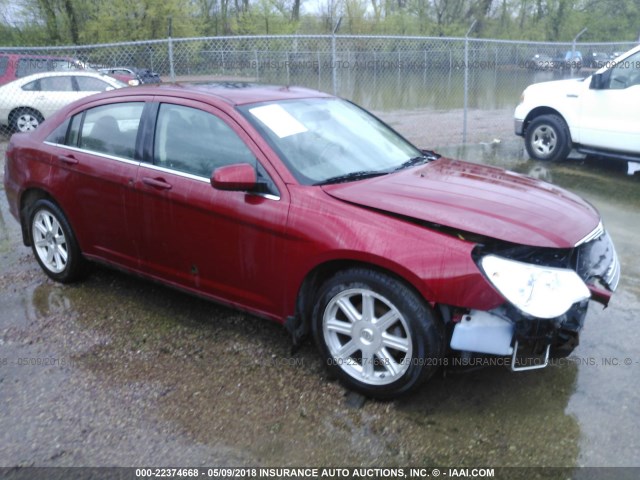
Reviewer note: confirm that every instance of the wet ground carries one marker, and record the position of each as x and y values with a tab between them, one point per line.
121	371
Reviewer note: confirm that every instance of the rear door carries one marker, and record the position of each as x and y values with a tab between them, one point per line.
50	94
227	244
97	162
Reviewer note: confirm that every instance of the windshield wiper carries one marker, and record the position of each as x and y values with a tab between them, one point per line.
427	156
350	177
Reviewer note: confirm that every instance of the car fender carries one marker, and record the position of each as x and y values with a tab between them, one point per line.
438	265
558	97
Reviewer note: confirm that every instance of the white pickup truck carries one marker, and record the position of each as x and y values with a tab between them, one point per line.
597	115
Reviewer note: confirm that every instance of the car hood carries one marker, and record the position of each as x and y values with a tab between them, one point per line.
558	88
480	199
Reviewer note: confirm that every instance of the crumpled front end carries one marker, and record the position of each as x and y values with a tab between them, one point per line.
598	265
546	295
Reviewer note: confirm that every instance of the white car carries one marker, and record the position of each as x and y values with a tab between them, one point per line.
26	102
596	115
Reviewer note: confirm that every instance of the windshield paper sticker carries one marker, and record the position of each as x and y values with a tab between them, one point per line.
281	122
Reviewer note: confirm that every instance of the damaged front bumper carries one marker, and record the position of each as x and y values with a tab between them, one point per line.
530	341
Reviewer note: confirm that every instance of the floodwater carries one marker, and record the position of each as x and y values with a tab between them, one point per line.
401	89
121	371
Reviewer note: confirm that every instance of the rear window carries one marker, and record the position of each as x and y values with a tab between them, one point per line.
28	66
56	84
61	65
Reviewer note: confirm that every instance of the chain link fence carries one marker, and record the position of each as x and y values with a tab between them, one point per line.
435	91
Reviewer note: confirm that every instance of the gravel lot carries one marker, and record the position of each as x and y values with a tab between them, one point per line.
131	373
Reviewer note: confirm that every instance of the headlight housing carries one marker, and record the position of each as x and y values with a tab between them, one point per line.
542	292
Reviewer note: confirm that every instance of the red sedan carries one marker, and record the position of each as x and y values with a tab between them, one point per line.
307	210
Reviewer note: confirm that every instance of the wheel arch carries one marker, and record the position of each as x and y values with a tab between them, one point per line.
17	110
28	198
299	325
539	111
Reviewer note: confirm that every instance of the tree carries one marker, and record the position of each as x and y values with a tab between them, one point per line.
56	22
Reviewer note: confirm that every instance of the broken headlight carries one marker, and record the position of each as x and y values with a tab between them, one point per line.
542	292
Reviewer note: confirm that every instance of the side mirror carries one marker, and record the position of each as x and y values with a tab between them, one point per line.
597	81
237	177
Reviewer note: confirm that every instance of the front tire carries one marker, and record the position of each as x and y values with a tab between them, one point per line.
54	244
377	335
548	139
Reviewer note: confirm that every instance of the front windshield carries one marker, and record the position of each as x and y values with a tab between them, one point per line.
320	139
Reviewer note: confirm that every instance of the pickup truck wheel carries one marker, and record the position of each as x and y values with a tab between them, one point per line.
377	335
548	138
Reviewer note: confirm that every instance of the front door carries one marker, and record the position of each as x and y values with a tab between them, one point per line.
227	244
609	116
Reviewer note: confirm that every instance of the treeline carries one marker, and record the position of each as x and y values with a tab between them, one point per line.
63	22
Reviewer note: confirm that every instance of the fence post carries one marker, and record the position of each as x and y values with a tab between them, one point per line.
288	70
573	49
172	72
466	82
334	76
255	59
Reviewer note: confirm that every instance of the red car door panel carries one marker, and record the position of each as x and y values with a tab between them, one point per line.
97	173
220	243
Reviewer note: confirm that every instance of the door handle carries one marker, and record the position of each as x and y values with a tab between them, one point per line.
68	159
156	183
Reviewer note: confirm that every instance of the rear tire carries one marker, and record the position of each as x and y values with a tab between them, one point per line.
377	335
26	120
548	138
54	243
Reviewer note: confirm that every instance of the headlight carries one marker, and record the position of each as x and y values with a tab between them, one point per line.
133	82
543	292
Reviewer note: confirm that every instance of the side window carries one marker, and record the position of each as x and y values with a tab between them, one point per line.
56	84
32	86
626	73
59	135
4	62
27	66
74	131
90	84
111	129
62	65
196	142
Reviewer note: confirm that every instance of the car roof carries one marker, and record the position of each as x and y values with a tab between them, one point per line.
65	73
233	93
21	81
